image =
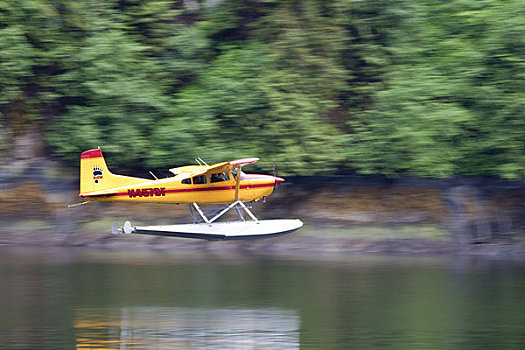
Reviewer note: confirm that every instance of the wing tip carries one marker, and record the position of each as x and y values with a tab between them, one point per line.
244	161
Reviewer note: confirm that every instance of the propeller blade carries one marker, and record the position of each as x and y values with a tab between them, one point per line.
276	178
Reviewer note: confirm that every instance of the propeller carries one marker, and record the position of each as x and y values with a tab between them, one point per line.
277	178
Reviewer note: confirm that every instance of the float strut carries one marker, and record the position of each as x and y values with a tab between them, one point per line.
248	211
222	212
201	213
193	216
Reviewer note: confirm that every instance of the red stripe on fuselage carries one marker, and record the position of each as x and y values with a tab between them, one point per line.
204	189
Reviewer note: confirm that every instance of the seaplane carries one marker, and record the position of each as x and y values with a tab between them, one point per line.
224	185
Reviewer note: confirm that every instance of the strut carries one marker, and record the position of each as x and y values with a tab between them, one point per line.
237	205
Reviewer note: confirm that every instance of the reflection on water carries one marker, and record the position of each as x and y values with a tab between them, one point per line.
186	328
88	299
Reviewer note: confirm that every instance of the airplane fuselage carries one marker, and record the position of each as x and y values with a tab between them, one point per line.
196	183
252	188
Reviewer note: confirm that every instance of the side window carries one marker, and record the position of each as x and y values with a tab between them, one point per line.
186	181
198	180
220	177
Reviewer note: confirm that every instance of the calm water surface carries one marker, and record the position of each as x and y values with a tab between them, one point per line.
88	299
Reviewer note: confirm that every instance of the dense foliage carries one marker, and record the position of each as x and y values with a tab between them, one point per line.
431	88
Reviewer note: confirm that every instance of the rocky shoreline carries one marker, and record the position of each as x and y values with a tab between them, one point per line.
293	244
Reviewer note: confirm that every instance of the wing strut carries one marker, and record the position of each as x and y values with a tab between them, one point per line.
237	181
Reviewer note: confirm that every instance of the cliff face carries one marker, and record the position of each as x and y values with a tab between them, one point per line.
470	209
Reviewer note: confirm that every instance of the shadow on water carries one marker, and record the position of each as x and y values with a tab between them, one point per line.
96	299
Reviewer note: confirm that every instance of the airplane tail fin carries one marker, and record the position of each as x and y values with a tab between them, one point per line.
95	175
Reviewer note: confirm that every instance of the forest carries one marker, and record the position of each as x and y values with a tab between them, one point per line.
431	88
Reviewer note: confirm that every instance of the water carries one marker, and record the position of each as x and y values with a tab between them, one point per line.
88	299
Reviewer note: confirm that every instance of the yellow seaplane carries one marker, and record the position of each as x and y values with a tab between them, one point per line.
222	183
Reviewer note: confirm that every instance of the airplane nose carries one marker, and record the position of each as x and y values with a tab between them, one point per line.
278	179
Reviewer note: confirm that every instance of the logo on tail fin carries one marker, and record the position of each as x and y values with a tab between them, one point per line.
97	174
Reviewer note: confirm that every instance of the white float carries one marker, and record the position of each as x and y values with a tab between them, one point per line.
221	230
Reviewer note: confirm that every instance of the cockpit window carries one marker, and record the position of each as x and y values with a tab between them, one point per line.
199	180
186	181
219	177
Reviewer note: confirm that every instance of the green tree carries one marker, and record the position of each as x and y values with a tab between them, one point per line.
110	100
444	105
223	113
428	88
20	52
304	83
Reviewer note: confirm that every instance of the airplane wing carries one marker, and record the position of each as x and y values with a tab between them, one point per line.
195	170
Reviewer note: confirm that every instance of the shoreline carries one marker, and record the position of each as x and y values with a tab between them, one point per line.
293	244
342	215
